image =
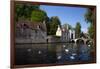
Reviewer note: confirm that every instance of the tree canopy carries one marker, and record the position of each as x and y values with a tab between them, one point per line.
38	15
54	22
77	30
89	17
24	10
67	26
91	31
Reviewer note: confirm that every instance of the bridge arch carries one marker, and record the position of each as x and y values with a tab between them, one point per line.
73	41
89	41
81	40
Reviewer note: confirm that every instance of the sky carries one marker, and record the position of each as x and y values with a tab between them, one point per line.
69	15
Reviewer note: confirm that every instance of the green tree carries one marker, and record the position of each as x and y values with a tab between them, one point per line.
54	22
91	31
38	15
89	18
77	30
89	15
70	27
47	20
67	26
24	10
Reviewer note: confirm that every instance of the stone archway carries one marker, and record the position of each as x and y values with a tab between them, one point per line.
80	41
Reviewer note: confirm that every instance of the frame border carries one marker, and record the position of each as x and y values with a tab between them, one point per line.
12	33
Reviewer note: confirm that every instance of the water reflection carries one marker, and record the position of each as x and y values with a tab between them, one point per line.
52	53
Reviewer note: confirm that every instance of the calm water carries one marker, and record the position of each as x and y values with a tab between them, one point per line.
52	53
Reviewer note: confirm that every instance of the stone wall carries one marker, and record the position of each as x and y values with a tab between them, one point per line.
53	39
31	36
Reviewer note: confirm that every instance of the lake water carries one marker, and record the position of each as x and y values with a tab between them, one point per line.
52	53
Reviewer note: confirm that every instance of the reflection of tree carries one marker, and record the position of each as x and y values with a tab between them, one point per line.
52	53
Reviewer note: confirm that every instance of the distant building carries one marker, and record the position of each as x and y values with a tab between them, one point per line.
59	31
72	34
65	33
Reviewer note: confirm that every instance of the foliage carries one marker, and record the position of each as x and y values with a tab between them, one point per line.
91	31
34	13
24	10
67	26
89	17
38	16
83	35
47	20
54	22
77	30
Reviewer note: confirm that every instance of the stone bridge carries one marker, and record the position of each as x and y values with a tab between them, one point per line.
82	40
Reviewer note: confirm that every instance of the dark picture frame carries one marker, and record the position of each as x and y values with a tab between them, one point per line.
13	34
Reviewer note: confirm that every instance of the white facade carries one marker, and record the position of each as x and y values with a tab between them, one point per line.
72	34
59	31
65	33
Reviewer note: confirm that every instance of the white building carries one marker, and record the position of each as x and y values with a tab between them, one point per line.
65	33
72	34
59	31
